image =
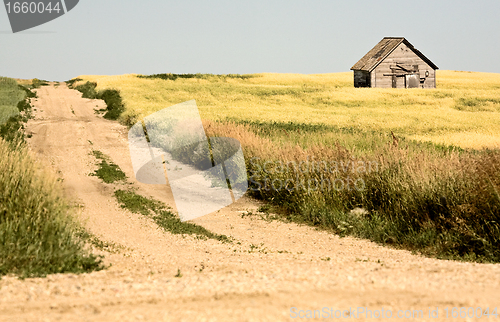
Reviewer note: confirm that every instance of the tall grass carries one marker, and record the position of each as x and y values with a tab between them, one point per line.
438	200
15	109
10	95
37	233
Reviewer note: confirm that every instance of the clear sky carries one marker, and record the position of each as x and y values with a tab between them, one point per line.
109	37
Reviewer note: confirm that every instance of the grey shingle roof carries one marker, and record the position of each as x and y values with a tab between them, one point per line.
378	53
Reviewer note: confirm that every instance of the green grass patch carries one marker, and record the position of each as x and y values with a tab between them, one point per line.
162	215
111	97
13	114
108	171
478	104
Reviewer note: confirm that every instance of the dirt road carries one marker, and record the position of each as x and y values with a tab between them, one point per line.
268	269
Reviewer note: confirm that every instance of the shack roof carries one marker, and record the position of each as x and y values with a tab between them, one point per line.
386	46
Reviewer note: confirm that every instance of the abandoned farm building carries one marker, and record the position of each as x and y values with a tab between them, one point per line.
394	62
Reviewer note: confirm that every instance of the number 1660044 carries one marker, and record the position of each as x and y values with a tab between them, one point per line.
32	7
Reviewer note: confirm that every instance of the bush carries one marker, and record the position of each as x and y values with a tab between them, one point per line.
111	97
37	83
87	90
114	103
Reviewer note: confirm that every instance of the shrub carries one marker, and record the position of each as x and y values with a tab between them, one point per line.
87	90
37	83
111	97
114	103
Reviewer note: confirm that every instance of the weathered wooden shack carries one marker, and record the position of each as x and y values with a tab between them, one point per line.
394	62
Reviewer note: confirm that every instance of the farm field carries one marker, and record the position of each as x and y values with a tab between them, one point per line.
425	182
462	111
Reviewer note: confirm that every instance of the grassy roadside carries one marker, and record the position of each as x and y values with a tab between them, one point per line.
111	97
38	235
438	200
15	109
107	171
161	214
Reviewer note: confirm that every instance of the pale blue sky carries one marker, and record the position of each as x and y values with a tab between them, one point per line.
110	37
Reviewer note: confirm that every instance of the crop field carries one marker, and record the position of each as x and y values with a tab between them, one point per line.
416	169
462	111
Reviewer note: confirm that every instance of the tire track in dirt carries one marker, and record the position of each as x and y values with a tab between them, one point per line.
270	267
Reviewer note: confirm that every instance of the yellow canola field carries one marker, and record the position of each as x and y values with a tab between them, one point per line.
463	110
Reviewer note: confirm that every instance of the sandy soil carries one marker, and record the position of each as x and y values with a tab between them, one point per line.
270	268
